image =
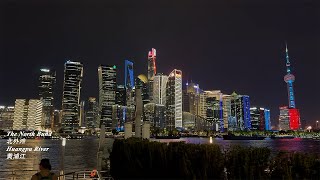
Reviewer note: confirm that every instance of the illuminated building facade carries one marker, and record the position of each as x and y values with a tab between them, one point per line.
142	83
214	110
82	117
107	94
155	114
92	115
293	113
240	112
191	98
284	119
73	74
129	82
47	80
118	117
174	100
267	119
121	95
152	70
57	116
6	117
27	114
226	108
159	89
260	119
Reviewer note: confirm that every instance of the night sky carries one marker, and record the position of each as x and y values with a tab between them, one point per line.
223	45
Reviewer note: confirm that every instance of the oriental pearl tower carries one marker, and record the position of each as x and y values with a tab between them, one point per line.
293	113
289	79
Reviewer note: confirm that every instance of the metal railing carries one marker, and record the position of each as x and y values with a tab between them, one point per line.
76	175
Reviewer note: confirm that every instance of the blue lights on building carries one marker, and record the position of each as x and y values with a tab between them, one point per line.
246	112
129	78
267	119
221	114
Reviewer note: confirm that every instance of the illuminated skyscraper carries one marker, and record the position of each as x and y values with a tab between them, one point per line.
107	94
284	119
47	81
260	118
142	83
152	70
226	102
27	114
240	112
191	98
121	95
6	117
129	82
293	113
92	113
174	100
213	109
73	73
159	89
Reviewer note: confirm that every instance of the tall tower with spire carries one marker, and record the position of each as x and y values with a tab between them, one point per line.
152	70
289	116
289	79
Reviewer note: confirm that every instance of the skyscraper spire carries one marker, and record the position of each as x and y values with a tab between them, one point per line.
287	58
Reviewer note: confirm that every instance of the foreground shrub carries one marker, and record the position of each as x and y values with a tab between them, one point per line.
295	166
247	163
140	159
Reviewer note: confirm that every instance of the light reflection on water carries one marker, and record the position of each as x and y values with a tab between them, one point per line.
82	154
292	145
79	155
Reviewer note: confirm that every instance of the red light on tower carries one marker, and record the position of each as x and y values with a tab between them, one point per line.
294	116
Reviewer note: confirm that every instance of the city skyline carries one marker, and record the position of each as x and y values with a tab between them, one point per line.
249	59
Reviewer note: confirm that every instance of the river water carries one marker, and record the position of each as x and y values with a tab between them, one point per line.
82	154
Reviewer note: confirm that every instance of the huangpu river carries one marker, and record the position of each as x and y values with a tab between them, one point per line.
82	154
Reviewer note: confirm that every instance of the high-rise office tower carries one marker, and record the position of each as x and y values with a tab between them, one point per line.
159	89
174	100
155	114
246	111
129	82
6	117
82	117
142	83
152	70
47	80
267	119
57	114
226	102
121	95
191	98
284	118
240	112
213	108
119	116
293	113
107	94
27	114
73	74
260	118
92	113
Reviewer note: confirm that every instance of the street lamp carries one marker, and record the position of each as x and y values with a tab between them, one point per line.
317	124
62	156
309	128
